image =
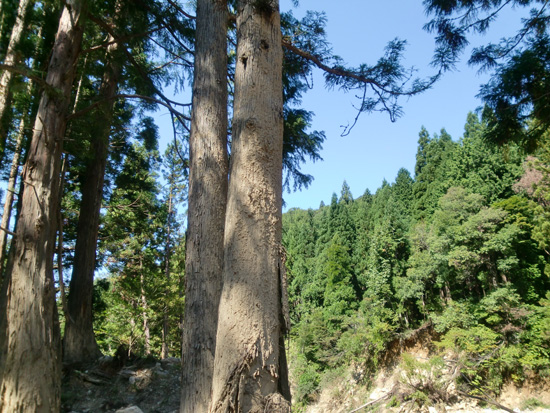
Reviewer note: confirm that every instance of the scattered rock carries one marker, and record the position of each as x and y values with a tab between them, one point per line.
130	409
145	383
170	362
126	373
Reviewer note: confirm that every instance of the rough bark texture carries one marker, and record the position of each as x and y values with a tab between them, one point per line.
10	60
30	375
247	370
206	208
79	344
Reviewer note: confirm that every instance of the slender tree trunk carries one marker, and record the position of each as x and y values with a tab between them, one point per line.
206	208
10	191
79	344
167	254
145	308
30	366
248	372
1	18
60	230
10	60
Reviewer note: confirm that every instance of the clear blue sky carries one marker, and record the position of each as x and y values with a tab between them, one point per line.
377	148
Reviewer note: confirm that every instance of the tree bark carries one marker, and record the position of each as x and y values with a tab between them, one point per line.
30	373
164	352
248	373
10	60
10	191
27	116
79	344
208	167
145	309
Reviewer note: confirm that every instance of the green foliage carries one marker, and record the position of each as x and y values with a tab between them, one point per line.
516	94
144	254
367	334
455	246
431	171
533	404
308	380
500	338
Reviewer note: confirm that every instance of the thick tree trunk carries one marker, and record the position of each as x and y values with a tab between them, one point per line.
79	344
206	208
30	366
248	375
10	60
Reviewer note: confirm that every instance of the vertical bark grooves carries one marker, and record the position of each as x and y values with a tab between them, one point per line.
79	344
206	208
10	60
30	376
246	370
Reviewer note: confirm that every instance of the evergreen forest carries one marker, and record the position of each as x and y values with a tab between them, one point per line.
120	243
457	249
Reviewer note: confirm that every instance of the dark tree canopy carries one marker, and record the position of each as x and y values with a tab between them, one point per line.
516	98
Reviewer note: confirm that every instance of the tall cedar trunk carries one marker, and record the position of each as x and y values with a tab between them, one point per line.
207	201
248	374
26	118
30	366
79	344
10	60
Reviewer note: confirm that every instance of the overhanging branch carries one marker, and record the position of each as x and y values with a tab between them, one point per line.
129	96
343	73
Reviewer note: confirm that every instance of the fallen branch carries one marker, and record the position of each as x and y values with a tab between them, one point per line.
486	400
387	396
89	379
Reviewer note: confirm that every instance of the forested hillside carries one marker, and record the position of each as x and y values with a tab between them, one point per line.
123	246
459	248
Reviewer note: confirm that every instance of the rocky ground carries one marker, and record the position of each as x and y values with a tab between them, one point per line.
143	385
153	386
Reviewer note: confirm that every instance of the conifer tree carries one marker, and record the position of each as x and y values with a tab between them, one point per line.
10	60
31	319
516	92
79	343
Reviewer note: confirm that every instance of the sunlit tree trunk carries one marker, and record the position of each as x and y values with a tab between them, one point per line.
248	372
206	205
30	363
